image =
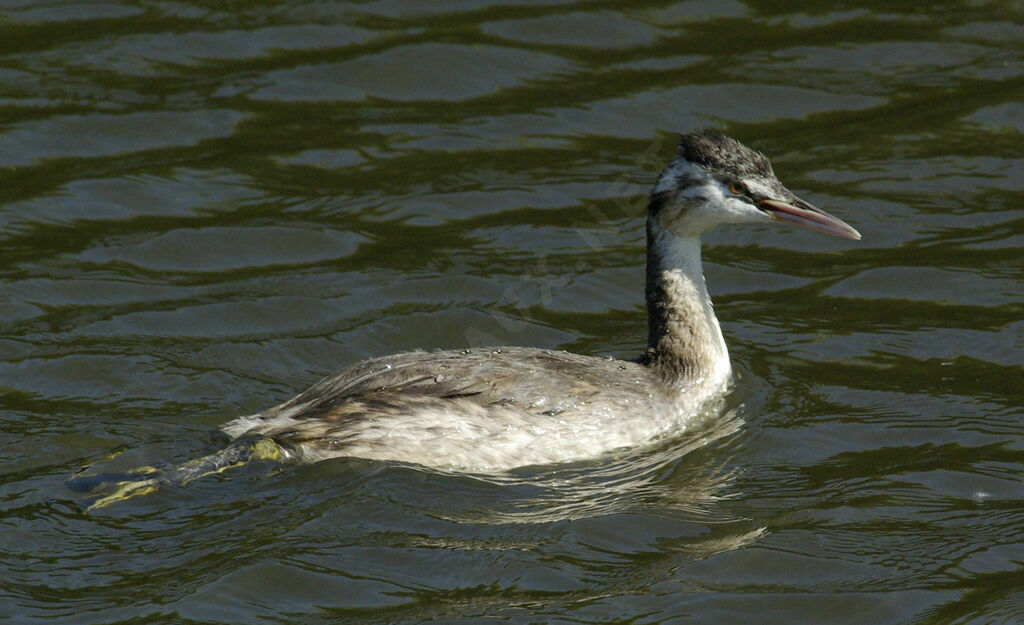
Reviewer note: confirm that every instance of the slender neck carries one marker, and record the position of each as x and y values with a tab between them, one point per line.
685	343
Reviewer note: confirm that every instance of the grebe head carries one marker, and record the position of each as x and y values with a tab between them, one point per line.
716	179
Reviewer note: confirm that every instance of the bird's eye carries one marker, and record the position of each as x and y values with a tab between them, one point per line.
736	188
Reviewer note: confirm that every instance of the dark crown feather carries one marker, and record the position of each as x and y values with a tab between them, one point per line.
722	155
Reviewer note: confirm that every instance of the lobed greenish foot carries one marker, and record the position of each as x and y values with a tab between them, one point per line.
114	487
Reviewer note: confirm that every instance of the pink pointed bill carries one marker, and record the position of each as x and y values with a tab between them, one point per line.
803	214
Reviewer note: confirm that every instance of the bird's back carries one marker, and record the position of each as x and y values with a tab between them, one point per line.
485	409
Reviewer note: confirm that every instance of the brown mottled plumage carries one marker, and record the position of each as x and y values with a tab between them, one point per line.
494	409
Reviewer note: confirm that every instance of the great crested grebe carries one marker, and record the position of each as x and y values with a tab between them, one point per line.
494	409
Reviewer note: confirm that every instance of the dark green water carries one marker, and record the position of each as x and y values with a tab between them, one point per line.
206	207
